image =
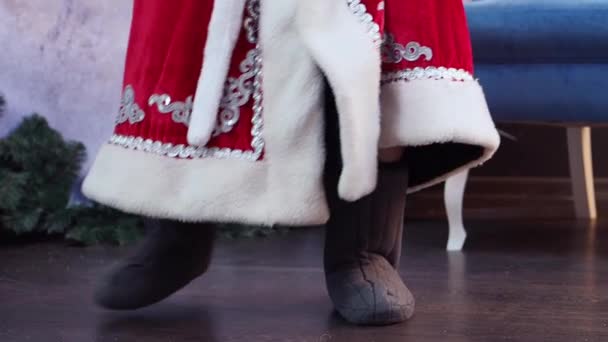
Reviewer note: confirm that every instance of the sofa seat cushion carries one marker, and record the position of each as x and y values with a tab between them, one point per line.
539	31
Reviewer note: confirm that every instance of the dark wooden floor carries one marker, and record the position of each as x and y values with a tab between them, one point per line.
516	281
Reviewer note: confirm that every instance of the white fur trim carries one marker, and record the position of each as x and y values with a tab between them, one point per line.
222	190
425	112
224	29
346	53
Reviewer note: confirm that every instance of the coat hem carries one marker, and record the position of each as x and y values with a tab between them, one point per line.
209	189
427	112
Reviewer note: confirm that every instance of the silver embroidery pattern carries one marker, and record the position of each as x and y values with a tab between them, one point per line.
360	10
252	66
432	73
129	110
238	91
393	52
196	152
180	111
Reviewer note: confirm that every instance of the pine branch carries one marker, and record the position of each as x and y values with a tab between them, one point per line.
37	170
2	105
12	188
26	221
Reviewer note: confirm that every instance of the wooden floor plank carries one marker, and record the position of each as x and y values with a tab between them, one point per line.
515	281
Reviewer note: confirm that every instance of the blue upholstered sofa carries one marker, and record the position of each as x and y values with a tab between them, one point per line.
541	62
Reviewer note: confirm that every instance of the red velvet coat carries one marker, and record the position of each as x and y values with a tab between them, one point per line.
222	112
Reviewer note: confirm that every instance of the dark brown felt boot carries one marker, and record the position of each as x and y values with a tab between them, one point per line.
362	251
171	256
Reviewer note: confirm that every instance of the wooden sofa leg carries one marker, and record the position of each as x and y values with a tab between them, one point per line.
581	172
454	198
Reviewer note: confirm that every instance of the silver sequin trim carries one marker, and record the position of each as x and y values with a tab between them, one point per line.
252	21
432	73
180	111
179	151
360	10
257	142
129	110
393	52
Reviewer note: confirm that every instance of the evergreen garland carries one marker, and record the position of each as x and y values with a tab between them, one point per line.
37	171
236	231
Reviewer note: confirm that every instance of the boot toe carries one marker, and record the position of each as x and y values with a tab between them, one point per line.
365	298
172	255
123	288
134	286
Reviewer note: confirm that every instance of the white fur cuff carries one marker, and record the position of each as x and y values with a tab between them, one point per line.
223	33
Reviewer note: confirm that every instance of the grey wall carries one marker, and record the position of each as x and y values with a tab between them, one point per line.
64	59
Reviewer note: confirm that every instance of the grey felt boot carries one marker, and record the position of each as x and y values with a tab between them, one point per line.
170	257
362	251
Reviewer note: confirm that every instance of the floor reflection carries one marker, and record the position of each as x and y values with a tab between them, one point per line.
171	322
